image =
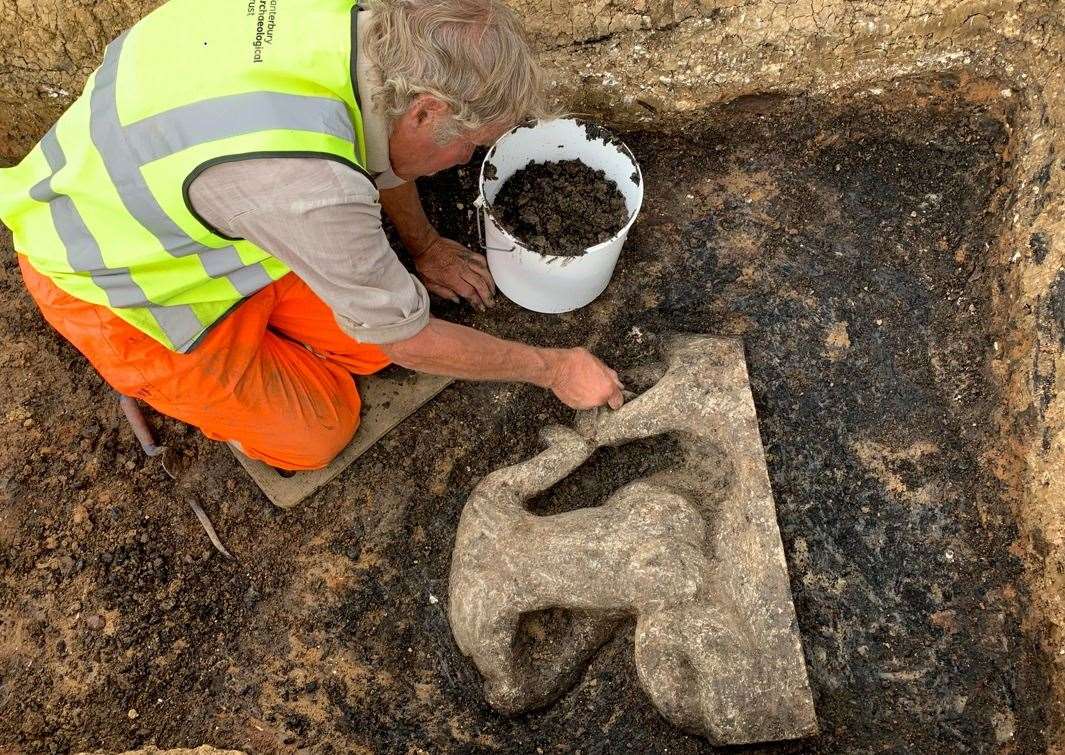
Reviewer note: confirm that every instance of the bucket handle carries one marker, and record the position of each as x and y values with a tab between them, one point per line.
481	210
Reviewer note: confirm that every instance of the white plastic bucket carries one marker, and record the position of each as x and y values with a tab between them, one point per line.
550	283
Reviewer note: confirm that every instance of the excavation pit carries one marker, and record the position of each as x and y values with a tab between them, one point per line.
845	240
848	243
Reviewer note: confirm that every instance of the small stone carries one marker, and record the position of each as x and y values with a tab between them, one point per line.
1005	727
95	622
433	600
80	514
132	715
312	686
28	422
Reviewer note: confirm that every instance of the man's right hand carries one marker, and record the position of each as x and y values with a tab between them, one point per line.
581	381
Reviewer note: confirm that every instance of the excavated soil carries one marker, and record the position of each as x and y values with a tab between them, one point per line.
844	242
560	208
606	471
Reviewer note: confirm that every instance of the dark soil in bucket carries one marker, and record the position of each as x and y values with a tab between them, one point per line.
560	208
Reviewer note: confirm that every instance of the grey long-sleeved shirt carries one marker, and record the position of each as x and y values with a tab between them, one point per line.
323	220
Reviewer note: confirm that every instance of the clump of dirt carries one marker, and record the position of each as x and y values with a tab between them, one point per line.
560	208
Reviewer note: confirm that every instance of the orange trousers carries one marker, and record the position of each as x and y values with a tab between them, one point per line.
253	379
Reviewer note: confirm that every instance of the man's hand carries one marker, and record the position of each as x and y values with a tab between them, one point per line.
447	268
450	270
581	381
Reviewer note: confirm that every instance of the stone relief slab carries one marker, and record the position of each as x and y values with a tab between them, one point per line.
693	553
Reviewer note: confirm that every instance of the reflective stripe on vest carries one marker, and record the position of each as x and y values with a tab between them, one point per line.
110	138
83	253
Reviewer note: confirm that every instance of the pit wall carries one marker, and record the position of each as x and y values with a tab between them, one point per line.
639	64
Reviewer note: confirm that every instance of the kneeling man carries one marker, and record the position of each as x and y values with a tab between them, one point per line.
204	222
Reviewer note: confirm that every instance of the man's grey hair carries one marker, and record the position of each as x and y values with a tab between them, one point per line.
472	55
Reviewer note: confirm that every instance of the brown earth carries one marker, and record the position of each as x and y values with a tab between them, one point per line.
560	208
844	239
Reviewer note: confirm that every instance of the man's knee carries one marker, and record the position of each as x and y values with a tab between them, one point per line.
327	446
305	443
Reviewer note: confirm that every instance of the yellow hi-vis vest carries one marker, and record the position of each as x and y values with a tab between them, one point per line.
101	205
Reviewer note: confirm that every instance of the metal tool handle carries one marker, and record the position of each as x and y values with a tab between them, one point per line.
481	210
141	430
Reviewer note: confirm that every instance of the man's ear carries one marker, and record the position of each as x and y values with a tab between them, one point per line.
427	109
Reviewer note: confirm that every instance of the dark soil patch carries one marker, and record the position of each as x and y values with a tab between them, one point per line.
607	470
560	208
843	243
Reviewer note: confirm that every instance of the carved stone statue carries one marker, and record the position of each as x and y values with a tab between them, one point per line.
699	565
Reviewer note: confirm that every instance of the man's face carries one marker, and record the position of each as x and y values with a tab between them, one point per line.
414	148
460	148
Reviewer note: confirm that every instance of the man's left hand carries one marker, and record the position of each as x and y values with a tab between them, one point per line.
450	270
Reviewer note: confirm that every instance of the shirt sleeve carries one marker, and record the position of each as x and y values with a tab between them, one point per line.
323	220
